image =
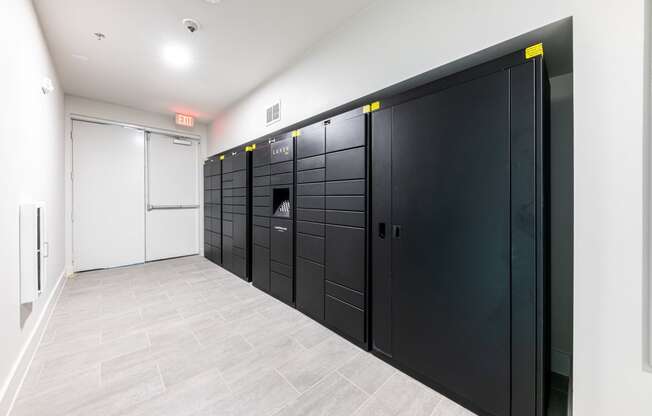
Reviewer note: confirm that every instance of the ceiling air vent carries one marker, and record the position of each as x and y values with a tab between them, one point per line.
273	113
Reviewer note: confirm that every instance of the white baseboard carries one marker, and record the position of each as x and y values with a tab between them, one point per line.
10	390
560	362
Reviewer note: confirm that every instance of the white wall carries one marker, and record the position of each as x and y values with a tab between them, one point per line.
395	40
78	106
31	169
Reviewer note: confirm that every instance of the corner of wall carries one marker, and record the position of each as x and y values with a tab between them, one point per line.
16	377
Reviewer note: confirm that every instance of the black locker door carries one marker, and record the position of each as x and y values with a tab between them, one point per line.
450	239
460	235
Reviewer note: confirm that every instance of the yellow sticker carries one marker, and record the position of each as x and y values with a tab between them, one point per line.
221	157
366	109
253	146
375	106
534	50
296	133
248	149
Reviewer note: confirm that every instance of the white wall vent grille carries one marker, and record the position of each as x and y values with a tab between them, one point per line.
273	113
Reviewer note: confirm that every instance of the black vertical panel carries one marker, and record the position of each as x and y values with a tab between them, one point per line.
345	230
260	270
260	267
310	288
381	296
345	256
213	209
542	91
236	223
528	230
310	191
450	247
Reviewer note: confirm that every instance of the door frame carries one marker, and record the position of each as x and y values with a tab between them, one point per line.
70	173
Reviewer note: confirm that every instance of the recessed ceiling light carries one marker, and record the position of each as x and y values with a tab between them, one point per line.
177	56
82	58
99	35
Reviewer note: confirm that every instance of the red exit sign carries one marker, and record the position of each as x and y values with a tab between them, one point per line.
184	120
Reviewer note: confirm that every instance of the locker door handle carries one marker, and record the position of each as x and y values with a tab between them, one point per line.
381	230
396	232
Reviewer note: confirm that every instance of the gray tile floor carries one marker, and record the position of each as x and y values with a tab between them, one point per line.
185	337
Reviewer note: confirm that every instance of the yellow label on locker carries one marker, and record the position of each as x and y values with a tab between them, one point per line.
366	109
534	50
221	157
253	146
375	106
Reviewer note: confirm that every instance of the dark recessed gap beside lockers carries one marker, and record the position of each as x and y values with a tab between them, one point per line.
235	213
459	235
331	272
213	209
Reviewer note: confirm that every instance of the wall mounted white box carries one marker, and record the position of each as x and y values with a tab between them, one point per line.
33	250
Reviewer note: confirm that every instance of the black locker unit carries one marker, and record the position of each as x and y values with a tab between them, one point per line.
273	222
331	272
235	218
213	209
460	235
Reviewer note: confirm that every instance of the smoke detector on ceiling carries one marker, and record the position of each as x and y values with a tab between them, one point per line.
191	25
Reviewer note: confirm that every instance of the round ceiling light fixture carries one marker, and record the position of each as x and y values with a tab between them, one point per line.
176	56
191	25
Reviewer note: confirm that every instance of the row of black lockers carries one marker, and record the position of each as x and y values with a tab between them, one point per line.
213	210
234	213
331	223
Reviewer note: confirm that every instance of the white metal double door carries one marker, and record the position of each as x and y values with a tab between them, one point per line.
135	196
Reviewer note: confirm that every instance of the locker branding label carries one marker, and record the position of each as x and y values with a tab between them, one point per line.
281	150
534	50
221	157
366	109
296	133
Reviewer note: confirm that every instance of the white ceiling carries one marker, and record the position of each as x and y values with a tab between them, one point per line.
241	44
